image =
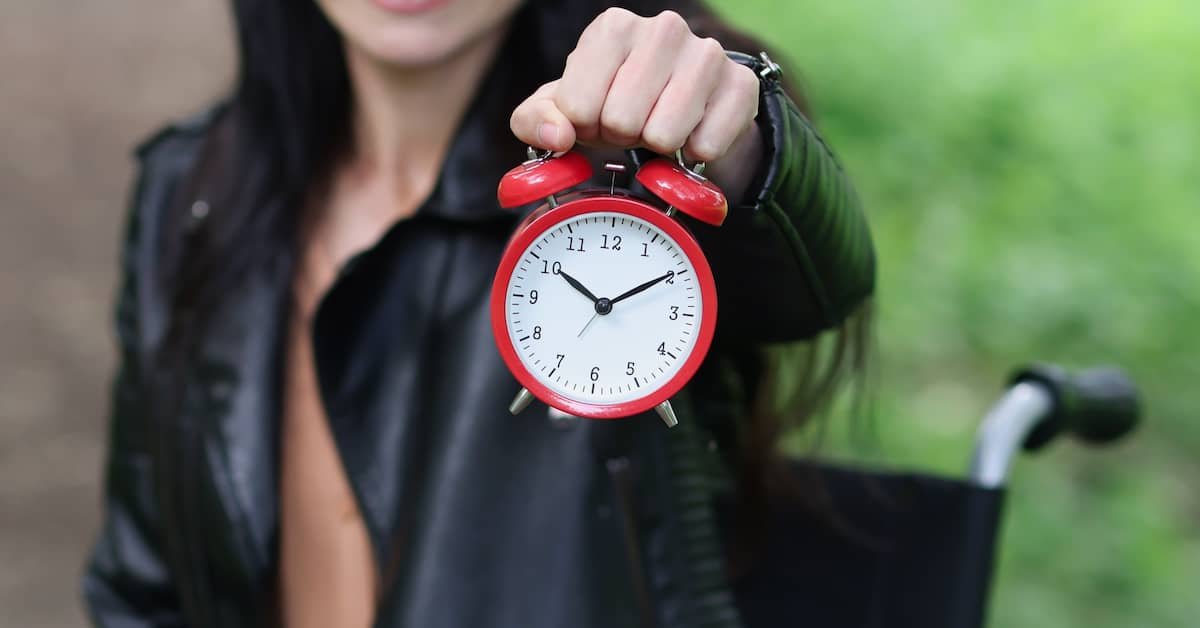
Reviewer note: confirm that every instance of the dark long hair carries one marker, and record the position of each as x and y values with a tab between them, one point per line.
287	119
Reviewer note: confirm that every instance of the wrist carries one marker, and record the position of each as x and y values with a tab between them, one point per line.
735	171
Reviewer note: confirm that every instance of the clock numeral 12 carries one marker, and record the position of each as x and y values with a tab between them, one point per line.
616	242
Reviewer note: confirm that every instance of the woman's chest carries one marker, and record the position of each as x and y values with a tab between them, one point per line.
401	329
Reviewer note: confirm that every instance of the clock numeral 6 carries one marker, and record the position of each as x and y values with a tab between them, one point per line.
537	332
595	375
629	368
547	268
674	313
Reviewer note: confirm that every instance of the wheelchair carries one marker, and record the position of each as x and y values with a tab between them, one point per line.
907	550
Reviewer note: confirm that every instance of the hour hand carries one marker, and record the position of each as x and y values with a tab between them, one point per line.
578	286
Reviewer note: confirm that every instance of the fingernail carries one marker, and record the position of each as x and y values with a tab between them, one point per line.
548	134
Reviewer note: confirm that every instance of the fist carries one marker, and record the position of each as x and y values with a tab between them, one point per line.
638	81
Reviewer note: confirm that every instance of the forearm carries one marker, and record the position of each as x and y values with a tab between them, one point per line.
795	256
734	172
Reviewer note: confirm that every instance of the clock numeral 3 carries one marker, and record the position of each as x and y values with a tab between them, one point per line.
674	313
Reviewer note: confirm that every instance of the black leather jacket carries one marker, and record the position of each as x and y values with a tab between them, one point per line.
477	518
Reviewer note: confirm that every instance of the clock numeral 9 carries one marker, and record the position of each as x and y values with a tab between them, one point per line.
533	297
571	245
547	268
629	368
616	243
674	313
537	332
595	375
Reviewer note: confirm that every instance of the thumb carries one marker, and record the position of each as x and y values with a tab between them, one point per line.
539	123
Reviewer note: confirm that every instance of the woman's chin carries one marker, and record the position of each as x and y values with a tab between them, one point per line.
404	48
415	33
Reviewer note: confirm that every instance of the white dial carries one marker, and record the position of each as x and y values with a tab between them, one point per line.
603	308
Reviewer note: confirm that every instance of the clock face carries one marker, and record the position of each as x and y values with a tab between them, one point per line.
605	307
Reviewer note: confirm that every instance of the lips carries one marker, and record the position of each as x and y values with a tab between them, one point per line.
409	7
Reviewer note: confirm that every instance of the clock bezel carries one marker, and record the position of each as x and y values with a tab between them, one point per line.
535	227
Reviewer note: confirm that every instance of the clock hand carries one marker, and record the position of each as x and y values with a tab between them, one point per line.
643	287
578	286
586	325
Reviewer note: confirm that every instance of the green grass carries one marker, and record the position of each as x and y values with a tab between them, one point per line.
1032	174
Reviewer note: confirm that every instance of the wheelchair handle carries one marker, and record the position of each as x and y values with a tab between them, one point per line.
1097	406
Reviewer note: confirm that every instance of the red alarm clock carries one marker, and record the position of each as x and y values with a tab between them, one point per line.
604	305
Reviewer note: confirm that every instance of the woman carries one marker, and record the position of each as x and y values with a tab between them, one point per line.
309	424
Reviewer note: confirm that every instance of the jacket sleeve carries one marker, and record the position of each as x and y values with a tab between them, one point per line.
796	258
127	582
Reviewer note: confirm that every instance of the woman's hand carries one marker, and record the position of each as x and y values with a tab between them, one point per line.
638	81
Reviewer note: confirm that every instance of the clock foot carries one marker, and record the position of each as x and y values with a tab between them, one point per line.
520	402
560	419
667	413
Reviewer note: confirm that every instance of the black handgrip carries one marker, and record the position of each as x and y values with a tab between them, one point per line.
1098	405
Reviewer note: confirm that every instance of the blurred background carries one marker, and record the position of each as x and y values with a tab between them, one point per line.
1032	174
80	84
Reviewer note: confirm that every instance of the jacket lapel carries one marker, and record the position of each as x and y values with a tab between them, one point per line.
239	379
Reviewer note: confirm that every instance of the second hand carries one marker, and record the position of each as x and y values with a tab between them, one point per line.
588	324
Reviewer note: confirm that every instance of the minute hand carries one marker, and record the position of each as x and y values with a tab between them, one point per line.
643	287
